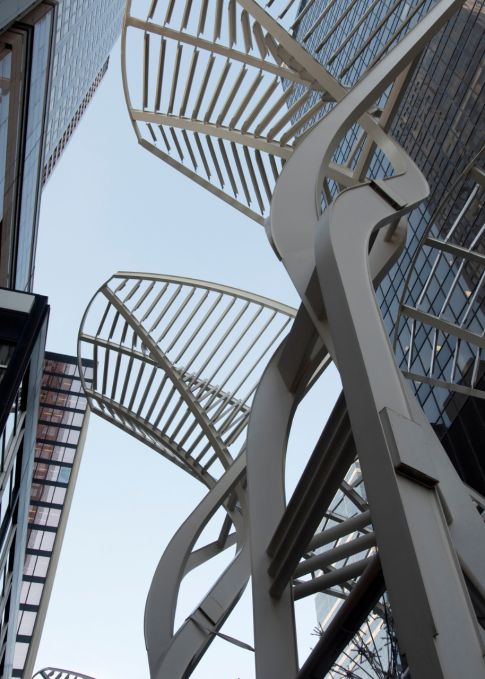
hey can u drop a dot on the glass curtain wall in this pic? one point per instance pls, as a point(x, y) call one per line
point(61, 432)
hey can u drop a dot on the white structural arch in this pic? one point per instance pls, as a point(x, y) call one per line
point(425, 525)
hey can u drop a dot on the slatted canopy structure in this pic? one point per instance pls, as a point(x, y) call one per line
point(223, 93)
point(177, 362)
point(176, 365)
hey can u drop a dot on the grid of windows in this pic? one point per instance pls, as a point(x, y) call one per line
point(86, 32)
point(441, 124)
point(62, 413)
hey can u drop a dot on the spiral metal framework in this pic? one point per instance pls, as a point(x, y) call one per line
point(177, 362)
point(56, 673)
point(415, 530)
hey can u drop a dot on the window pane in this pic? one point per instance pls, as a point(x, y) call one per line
point(27, 622)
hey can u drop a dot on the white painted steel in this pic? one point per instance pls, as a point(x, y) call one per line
point(426, 525)
point(249, 97)
point(176, 363)
point(419, 554)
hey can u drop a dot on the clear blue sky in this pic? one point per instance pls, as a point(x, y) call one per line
point(110, 206)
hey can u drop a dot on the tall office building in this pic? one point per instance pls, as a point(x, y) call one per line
point(86, 33)
point(26, 52)
point(23, 327)
point(61, 433)
point(52, 60)
point(441, 124)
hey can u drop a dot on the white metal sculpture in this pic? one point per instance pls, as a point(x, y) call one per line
point(425, 525)
point(177, 362)
point(56, 673)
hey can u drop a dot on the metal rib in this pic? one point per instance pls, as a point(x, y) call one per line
point(161, 65)
point(262, 172)
point(190, 80)
point(280, 102)
point(189, 148)
point(218, 90)
point(301, 122)
point(214, 159)
point(246, 31)
point(253, 178)
point(202, 154)
point(240, 172)
point(290, 113)
point(146, 57)
point(376, 30)
point(336, 25)
point(231, 17)
point(218, 20)
point(259, 106)
point(227, 166)
point(176, 70)
point(353, 32)
point(259, 37)
point(177, 145)
point(231, 96)
point(202, 17)
point(203, 86)
point(164, 137)
point(168, 15)
point(246, 99)
point(319, 20)
point(169, 325)
point(166, 308)
point(186, 14)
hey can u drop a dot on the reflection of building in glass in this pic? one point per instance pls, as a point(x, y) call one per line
point(86, 32)
point(61, 432)
point(25, 58)
point(23, 326)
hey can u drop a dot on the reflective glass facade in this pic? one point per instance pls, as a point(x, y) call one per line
point(23, 327)
point(25, 60)
point(61, 432)
point(51, 63)
point(86, 32)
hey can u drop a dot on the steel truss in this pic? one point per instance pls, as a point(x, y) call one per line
point(414, 530)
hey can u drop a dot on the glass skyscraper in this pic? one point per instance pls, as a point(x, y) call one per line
point(26, 51)
point(61, 432)
point(86, 33)
point(51, 63)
